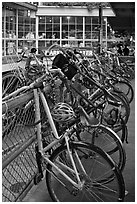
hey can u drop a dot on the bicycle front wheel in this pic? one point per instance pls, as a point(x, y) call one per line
point(126, 88)
point(97, 185)
point(108, 141)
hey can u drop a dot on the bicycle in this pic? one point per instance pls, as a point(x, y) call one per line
point(86, 174)
point(119, 82)
point(119, 66)
point(112, 143)
point(70, 87)
point(89, 101)
point(15, 78)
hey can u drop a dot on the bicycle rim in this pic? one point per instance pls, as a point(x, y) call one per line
point(127, 88)
point(108, 141)
point(97, 187)
point(10, 83)
point(124, 109)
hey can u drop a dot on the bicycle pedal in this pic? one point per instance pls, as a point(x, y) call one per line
point(38, 177)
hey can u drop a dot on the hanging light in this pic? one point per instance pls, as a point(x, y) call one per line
point(28, 12)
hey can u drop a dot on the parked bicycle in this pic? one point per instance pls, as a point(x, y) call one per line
point(101, 96)
point(114, 146)
point(86, 174)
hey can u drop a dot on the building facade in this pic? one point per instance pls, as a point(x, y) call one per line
point(27, 25)
point(18, 19)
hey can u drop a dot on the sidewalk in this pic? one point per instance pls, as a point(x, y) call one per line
point(38, 193)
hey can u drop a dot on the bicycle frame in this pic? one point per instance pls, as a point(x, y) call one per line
point(38, 93)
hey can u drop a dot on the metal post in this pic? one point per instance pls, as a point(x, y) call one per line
point(37, 33)
point(5, 31)
point(60, 30)
point(83, 32)
point(17, 28)
point(100, 28)
point(106, 31)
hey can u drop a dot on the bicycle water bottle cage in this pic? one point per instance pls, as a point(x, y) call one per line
point(69, 69)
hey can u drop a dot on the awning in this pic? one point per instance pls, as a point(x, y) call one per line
point(21, 5)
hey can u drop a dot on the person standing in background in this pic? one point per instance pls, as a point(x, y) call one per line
point(126, 51)
point(119, 51)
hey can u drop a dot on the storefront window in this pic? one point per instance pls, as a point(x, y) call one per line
point(88, 27)
point(17, 36)
point(79, 27)
point(75, 31)
point(70, 32)
point(49, 27)
point(42, 27)
point(26, 25)
point(26, 30)
point(10, 24)
point(95, 27)
point(56, 27)
point(72, 29)
point(8, 31)
point(65, 27)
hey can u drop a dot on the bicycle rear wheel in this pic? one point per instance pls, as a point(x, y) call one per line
point(10, 83)
point(97, 185)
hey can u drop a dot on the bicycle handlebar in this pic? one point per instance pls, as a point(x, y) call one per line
point(36, 84)
point(55, 72)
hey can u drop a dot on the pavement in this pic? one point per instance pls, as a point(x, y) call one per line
point(39, 193)
point(129, 171)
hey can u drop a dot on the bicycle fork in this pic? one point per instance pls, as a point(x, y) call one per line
point(60, 165)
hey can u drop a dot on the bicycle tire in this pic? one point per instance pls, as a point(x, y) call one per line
point(129, 73)
point(122, 131)
point(123, 95)
point(106, 139)
point(10, 83)
point(125, 112)
point(93, 189)
point(127, 88)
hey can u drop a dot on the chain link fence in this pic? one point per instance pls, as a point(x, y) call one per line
point(19, 165)
point(18, 156)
